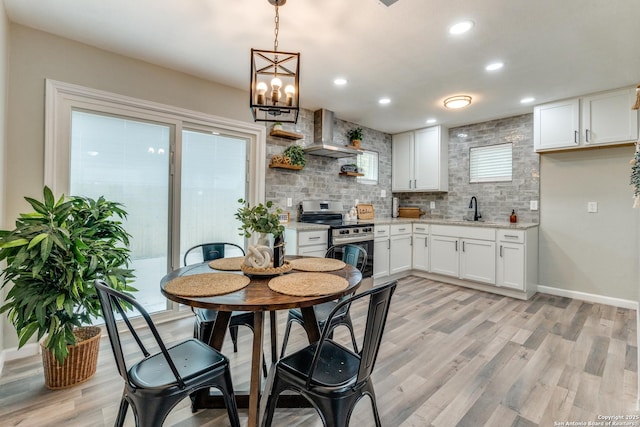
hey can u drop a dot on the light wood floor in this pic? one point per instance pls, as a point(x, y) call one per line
point(450, 357)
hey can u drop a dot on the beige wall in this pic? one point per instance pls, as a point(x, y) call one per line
point(4, 52)
point(596, 253)
point(36, 56)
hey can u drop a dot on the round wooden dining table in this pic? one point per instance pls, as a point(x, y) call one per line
point(258, 298)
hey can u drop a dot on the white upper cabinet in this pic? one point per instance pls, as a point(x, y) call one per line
point(420, 160)
point(598, 119)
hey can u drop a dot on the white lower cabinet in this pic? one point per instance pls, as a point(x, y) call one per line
point(307, 242)
point(400, 248)
point(478, 256)
point(517, 259)
point(478, 260)
point(420, 245)
point(510, 265)
point(444, 255)
point(381, 250)
point(464, 252)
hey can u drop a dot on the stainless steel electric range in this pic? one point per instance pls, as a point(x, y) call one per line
point(341, 233)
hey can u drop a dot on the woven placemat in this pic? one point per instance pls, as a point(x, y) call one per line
point(206, 285)
point(308, 284)
point(317, 264)
point(227, 264)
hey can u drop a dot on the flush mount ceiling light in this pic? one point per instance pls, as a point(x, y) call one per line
point(494, 66)
point(458, 101)
point(461, 27)
point(340, 81)
point(271, 73)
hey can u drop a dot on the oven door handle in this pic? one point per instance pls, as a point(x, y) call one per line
point(356, 239)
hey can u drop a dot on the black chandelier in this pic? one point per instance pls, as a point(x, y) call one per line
point(274, 92)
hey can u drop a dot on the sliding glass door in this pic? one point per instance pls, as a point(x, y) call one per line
point(127, 161)
point(214, 175)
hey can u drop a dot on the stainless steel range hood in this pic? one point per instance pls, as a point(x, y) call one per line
point(323, 144)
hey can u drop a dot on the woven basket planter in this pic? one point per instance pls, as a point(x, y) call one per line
point(79, 366)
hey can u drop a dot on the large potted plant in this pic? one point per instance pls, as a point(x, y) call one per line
point(53, 256)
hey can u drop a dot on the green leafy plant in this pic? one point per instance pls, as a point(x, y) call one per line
point(296, 154)
point(259, 219)
point(355, 134)
point(53, 257)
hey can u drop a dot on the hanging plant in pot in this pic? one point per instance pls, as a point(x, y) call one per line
point(267, 250)
point(53, 257)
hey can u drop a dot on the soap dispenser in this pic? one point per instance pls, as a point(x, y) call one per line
point(513, 218)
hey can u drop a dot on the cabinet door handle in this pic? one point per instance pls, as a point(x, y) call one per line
point(314, 238)
point(426, 245)
point(389, 244)
point(575, 136)
point(415, 183)
point(456, 246)
point(463, 246)
point(586, 135)
point(409, 184)
point(500, 251)
point(511, 236)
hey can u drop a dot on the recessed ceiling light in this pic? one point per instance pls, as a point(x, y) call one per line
point(458, 101)
point(527, 100)
point(461, 27)
point(431, 121)
point(384, 101)
point(340, 81)
point(494, 66)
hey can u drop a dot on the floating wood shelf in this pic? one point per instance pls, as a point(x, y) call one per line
point(285, 166)
point(351, 174)
point(286, 135)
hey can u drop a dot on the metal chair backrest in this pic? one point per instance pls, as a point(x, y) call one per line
point(379, 302)
point(354, 255)
point(211, 251)
point(112, 300)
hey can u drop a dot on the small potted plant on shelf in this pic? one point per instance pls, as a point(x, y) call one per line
point(53, 257)
point(264, 220)
point(295, 153)
point(277, 126)
point(355, 136)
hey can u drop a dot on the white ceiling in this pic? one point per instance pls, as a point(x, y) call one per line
point(552, 49)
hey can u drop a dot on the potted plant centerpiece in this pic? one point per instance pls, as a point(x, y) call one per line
point(355, 136)
point(53, 256)
point(267, 249)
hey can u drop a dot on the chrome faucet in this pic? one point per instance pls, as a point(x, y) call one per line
point(476, 215)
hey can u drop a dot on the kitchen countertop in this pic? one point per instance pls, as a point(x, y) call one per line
point(302, 226)
point(459, 222)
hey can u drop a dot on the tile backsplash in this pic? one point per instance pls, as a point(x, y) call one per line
point(320, 177)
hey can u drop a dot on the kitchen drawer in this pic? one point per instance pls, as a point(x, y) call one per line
point(399, 229)
point(513, 236)
point(381, 232)
point(313, 238)
point(421, 228)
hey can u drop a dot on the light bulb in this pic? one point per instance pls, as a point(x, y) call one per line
point(276, 83)
point(290, 91)
point(261, 88)
point(275, 96)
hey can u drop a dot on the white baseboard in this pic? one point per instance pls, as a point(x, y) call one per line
point(27, 350)
point(600, 299)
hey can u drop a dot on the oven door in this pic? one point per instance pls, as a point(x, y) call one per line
point(367, 245)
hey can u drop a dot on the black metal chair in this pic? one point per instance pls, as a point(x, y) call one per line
point(351, 254)
point(205, 318)
point(331, 376)
point(155, 384)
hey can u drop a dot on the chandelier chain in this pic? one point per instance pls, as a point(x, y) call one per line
point(277, 29)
